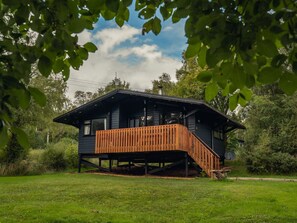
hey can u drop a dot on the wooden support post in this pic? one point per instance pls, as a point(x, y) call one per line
point(100, 164)
point(145, 112)
point(129, 166)
point(159, 164)
point(110, 165)
point(145, 167)
point(79, 162)
point(186, 165)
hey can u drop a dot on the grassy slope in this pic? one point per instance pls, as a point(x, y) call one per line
point(95, 198)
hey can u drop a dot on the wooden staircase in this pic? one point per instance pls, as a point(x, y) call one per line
point(203, 155)
point(174, 137)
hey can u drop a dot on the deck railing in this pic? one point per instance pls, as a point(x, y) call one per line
point(157, 138)
point(141, 139)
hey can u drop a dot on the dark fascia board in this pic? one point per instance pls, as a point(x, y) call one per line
point(149, 96)
point(90, 103)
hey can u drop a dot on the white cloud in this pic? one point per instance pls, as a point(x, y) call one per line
point(112, 37)
point(167, 28)
point(123, 51)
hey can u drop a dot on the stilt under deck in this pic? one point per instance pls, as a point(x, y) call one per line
point(161, 138)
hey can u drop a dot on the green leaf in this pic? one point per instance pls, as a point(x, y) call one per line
point(76, 25)
point(241, 100)
point(95, 5)
point(204, 76)
point(202, 56)
point(211, 91)
point(246, 94)
point(83, 53)
point(288, 83)
point(227, 68)
point(233, 101)
point(22, 137)
point(90, 47)
point(127, 3)
point(267, 48)
point(278, 60)
point(113, 5)
point(261, 61)
point(66, 73)
point(269, 75)
point(119, 21)
point(156, 26)
point(44, 66)
point(108, 15)
point(192, 50)
point(19, 98)
point(213, 57)
point(38, 96)
point(165, 13)
point(4, 137)
point(238, 76)
point(58, 66)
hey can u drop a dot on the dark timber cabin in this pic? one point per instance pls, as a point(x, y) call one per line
point(138, 127)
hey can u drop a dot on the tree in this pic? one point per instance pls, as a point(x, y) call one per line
point(164, 82)
point(270, 138)
point(114, 84)
point(240, 42)
point(81, 97)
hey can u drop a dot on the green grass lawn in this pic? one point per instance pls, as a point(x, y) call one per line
point(97, 198)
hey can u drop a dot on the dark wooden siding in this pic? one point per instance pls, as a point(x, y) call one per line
point(219, 147)
point(156, 117)
point(115, 117)
point(86, 144)
point(204, 133)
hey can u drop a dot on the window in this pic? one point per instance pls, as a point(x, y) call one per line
point(172, 118)
point(98, 124)
point(91, 126)
point(149, 120)
point(218, 134)
point(136, 122)
point(87, 127)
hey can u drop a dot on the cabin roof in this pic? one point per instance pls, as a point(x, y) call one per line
point(115, 96)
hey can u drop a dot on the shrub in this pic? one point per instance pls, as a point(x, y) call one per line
point(14, 169)
point(60, 155)
point(267, 162)
point(71, 155)
point(53, 158)
point(36, 165)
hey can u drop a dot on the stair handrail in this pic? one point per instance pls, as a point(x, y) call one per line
point(207, 146)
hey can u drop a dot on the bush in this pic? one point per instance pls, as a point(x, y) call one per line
point(267, 162)
point(61, 155)
point(71, 155)
point(35, 162)
point(53, 158)
point(14, 169)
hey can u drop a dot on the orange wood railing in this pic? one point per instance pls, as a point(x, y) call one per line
point(157, 138)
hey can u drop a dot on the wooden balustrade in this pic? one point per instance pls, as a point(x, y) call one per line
point(157, 138)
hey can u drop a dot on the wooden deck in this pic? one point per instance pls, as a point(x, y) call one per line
point(157, 138)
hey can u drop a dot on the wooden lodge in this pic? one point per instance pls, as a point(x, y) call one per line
point(136, 127)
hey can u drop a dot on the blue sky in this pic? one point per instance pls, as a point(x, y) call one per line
point(135, 58)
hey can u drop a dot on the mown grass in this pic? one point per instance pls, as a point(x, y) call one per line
point(97, 198)
point(238, 169)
